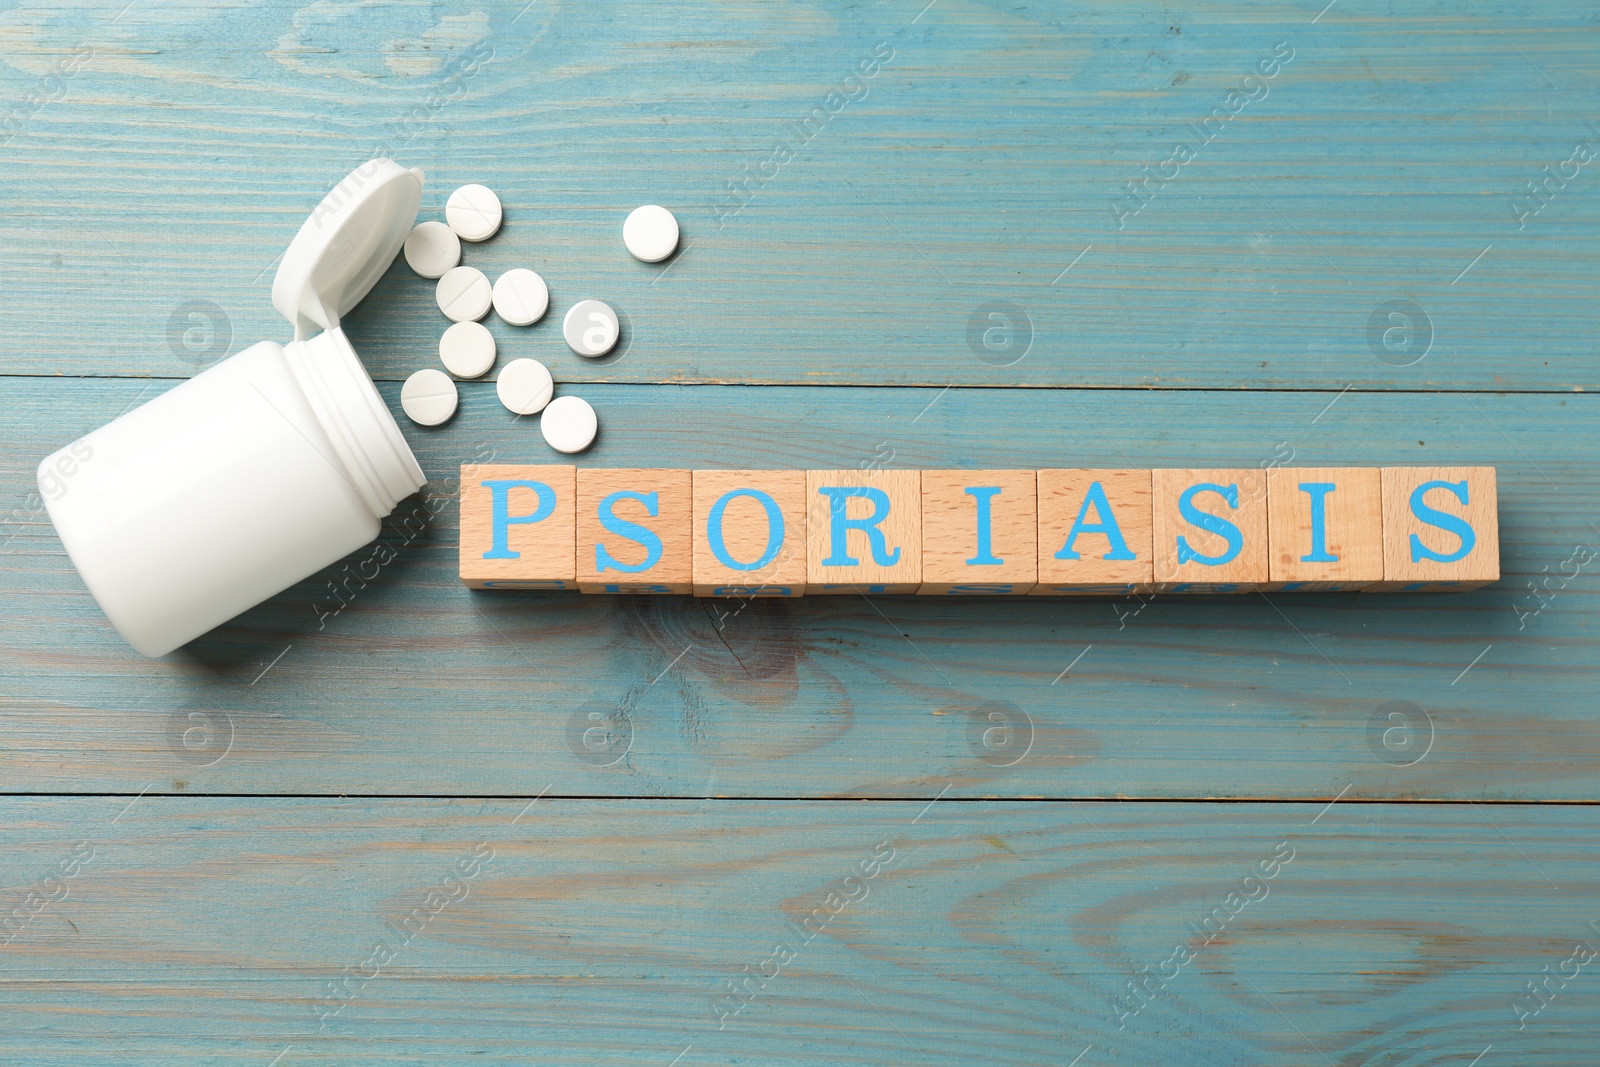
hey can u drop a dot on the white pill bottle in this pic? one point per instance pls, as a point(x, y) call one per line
point(261, 470)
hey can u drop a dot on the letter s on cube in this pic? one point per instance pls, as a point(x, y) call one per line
point(1441, 530)
point(633, 531)
point(517, 526)
point(1210, 529)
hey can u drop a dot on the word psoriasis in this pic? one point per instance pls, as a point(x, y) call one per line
point(721, 533)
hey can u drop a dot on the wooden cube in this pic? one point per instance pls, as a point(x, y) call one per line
point(517, 525)
point(979, 533)
point(633, 531)
point(749, 533)
point(1441, 529)
point(864, 531)
point(1325, 527)
point(1094, 533)
point(1210, 530)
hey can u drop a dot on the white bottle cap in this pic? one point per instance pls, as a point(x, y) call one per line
point(346, 245)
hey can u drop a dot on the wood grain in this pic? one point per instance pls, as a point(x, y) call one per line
point(205, 931)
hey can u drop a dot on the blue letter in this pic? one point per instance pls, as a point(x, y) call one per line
point(719, 547)
point(1210, 524)
point(985, 557)
point(500, 522)
point(1318, 492)
point(1449, 523)
point(1096, 498)
point(839, 530)
point(631, 530)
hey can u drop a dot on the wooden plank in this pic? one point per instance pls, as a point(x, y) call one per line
point(1319, 237)
point(413, 683)
point(205, 931)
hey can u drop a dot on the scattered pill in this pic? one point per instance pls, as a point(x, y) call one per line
point(590, 328)
point(432, 248)
point(429, 397)
point(467, 349)
point(651, 233)
point(524, 386)
point(473, 211)
point(521, 297)
point(568, 424)
point(464, 294)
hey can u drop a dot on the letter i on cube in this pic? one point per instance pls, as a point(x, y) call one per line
point(1325, 528)
point(979, 533)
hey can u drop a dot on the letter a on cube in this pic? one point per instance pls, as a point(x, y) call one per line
point(864, 530)
point(633, 531)
point(517, 526)
point(1094, 533)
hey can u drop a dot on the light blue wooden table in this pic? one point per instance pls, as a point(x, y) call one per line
point(417, 825)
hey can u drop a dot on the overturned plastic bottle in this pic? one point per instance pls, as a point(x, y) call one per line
point(261, 470)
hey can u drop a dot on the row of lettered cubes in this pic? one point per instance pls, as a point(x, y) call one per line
point(1055, 532)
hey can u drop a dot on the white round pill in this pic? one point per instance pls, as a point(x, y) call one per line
point(568, 424)
point(651, 233)
point(464, 294)
point(590, 328)
point(467, 349)
point(432, 248)
point(473, 211)
point(521, 297)
point(524, 386)
point(429, 397)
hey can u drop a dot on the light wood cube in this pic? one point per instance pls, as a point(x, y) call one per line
point(1094, 533)
point(864, 531)
point(517, 525)
point(633, 531)
point(1325, 528)
point(979, 533)
point(1210, 530)
point(749, 533)
point(1441, 529)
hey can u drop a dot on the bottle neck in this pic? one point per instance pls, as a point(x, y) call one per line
point(375, 456)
